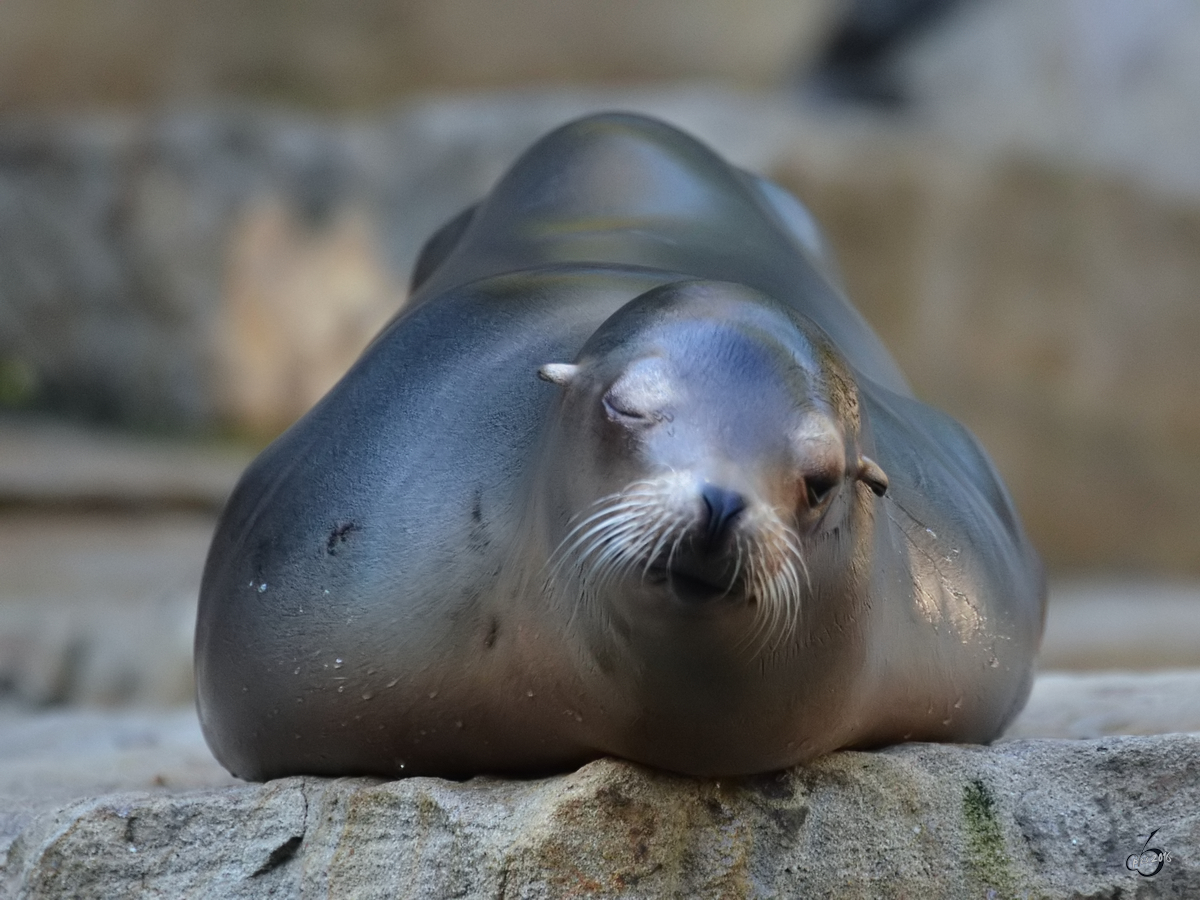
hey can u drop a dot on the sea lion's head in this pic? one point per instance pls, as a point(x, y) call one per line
point(707, 461)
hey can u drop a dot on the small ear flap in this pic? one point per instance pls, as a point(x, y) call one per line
point(558, 373)
point(875, 477)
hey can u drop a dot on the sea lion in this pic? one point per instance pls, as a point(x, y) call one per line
point(627, 476)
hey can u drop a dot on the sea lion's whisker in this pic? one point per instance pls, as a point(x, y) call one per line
point(614, 552)
point(675, 548)
point(641, 496)
point(586, 539)
point(737, 562)
point(798, 555)
point(610, 542)
point(648, 542)
point(598, 522)
point(774, 563)
point(610, 536)
point(619, 529)
point(673, 522)
point(614, 502)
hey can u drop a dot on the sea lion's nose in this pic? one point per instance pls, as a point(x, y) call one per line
point(723, 507)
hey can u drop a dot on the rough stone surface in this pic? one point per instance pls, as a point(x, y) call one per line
point(96, 803)
point(53, 758)
point(102, 542)
point(1022, 819)
point(611, 829)
point(115, 254)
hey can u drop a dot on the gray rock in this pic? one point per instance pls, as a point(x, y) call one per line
point(113, 237)
point(1022, 819)
point(102, 542)
point(53, 758)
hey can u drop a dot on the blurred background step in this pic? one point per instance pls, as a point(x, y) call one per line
point(1082, 705)
point(98, 607)
point(48, 463)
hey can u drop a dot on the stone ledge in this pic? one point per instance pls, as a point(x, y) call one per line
point(1037, 818)
point(1098, 704)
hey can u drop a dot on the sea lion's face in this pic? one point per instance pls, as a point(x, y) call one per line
point(709, 467)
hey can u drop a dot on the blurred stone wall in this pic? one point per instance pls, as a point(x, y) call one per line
point(191, 271)
point(360, 53)
point(1025, 234)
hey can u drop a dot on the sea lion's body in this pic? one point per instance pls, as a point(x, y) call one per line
point(386, 592)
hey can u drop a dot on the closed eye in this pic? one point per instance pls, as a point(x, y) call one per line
point(617, 411)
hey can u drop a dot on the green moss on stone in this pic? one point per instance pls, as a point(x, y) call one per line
point(986, 853)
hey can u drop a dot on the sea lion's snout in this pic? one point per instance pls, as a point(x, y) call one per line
point(693, 589)
point(705, 564)
point(722, 507)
